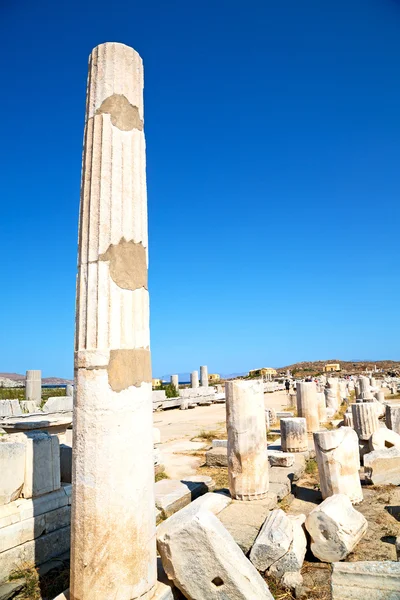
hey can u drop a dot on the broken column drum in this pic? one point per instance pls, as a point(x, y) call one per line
point(365, 388)
point(332, 394)
point(393, 417)
point(365, 418)
point(338, 462)
point(113, 552)
point(33, 386)
point(307, 404)
point(194, 379)
point(247, 440)
point(175, 381)
point(294, 434)
point(204, 376)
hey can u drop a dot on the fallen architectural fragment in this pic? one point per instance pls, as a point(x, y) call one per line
point(383, 466)
point(293, 560)
point(308, 404)
point(273, 541)
point(384, 438)
point(365, 419)
point(338, 462)
point(113, 551)
point(247, 440)
point(372, 580)
point(204, 561)
point(335, 528)
point(393, 417)
point(12, 469)
point(294, 434)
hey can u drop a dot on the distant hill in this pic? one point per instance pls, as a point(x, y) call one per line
point(354, 366)
point(17, 378)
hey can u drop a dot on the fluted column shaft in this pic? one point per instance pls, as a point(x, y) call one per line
point(204, 376)
point(247, 440)
point(307, 404)
point(113, 513)
point(365, 418)
point(175, 381)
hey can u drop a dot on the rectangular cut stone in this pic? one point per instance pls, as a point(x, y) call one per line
point(217, 457)
point(280, 459)
point(383, 466)
point(36, 551)
point(58, 404)
point(23, 509)
point(213, 566)
point(365, 579)
point(171, 495)
point(12, 469)
point(42, 463)
point(220, 443)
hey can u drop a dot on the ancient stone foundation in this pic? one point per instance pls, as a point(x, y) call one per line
point(113, 517)
point(247, 440)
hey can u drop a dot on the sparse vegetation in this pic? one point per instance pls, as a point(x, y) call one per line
point(218, 474)
point(209, 436)
point(31, 589)
point(311, 467)
point(160, 476)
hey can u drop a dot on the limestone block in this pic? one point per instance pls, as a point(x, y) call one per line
point(158, 395)
point(322, 415)
point(211, 501)
point(42, 463)
point(273, 541)
point(280, 459)
point(12, 469)
point(393, 417)
point(270, 417)
point(217, 457)
point(383, 466)
point(247, 440)
point(307, 404)
point(335, 528)
point(203, 560)
point(283, 414)
point(365, 419)
point(384, 438)
point(10, 408)
point(244, 520)
point(28, 406)
point(65, 463)
point(58, 404)
point(294, 434)
point(293, 560)
point(220, 443)
point(365, 388)
point(22, 509)
point(338, 463)
point(363, 580)
point(171, 495)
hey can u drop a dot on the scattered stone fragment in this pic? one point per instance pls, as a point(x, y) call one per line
point(12, 469)
point(335, 528)
point(373, 580)
point(273, 541)
point(384, 438)
point(292, 561)
point(280, 459)
point(393, 417)
point(171, 495)
point(220, 443)
point(294, 434)
point(383, 466)
point(292, 580)
point(217, 457)
point(204, 561)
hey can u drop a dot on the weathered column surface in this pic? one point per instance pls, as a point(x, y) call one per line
point(194, 379)
point(365, 388)
point(33, 386)
point(204, 376)
point(322, 416)
point(393, 417)
point(307, 404)
point(175, 381)
point(365, 418)
point(338, 462)
point(332, 394)
point(247, 440)
point(113, 513)
point(294, 434)
point(69, 390)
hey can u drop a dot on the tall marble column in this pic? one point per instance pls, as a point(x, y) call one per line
point(175, 381)
point(194, 379)
point(113, 513)
point(204, 376)
point(33, 386)
point(247, 440)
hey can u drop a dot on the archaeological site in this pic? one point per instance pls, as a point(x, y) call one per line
point(276, 484)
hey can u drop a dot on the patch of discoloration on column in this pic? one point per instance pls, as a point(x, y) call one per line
point(128, 264)
point(123, 114)
point(129, 367)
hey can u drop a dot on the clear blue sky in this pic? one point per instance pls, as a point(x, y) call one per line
point(273, 148)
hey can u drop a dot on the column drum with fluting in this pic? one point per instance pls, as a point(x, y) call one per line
point(365, 418)
point(294, 434)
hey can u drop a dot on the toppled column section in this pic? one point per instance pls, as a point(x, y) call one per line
point(365, 418)
point(33, 386)
point(335, 528)
point(204, 376)
point(365, 580)
point(204, 561)
point(294, 434)
point(113, 517)
point(338, 462)
point(393, 417)
point(247, 440)
point(307, 404)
